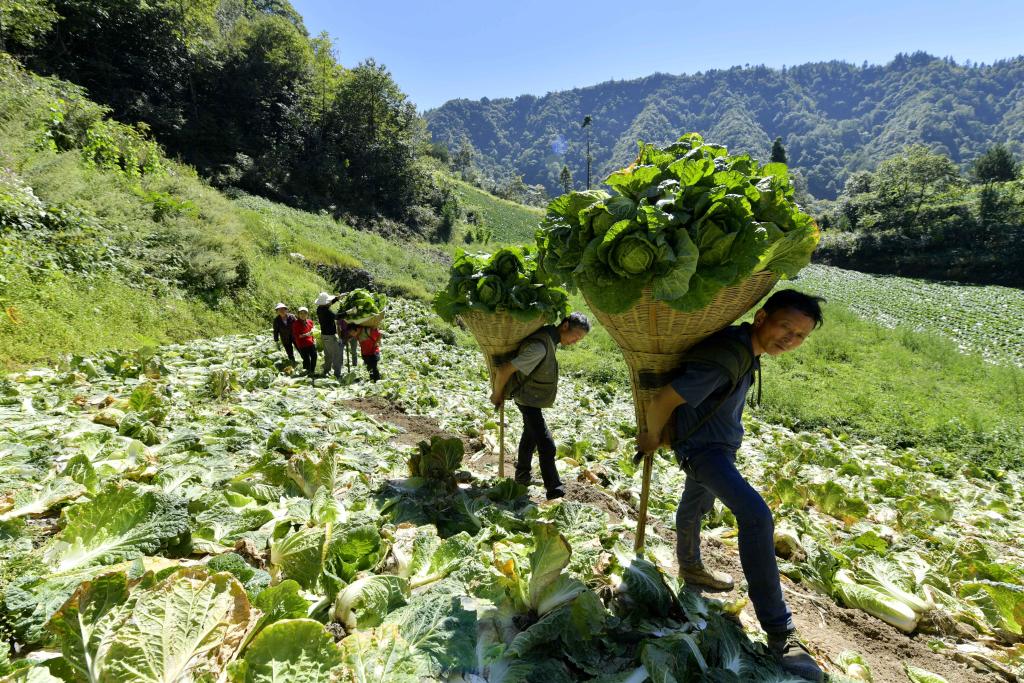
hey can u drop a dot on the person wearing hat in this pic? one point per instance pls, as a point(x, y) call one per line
point(283, 330)
point(302, 333)
point(329, 333)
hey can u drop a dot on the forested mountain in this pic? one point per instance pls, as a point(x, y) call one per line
point(834, 118)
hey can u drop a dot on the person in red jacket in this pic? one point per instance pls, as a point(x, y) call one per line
point(369, 349)
point(302, 335)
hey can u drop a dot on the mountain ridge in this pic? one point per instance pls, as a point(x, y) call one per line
point(835, 118)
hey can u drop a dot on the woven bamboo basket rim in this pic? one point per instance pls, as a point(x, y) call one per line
point(500, 330)
point(374, 320)
point(652, 328)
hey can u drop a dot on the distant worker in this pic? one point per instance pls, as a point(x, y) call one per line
point(302, 333)
point(534, 388)
point(369, 346)
point(329, 333)
point(705, 405)
point(283, 330)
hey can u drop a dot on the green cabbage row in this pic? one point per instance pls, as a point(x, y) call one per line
point(506, 281)
point(688, 219)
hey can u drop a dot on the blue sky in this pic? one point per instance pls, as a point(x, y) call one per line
point(460, 48)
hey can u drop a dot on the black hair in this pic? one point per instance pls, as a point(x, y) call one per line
point(576, 321)
point(807, 304)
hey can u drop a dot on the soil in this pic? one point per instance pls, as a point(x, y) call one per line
point(825, 627)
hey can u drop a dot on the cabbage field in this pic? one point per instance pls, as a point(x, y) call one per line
point(194, 513)
point(986, 320)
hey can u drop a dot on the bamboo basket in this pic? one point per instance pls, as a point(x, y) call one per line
point(653, 339)
point(499, 336)
point(375, 320)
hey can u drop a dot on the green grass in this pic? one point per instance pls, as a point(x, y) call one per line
point(903, 387)
point(207, 266)
point(508, 222)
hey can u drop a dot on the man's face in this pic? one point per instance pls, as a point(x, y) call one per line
point(782, 331)
point(282, 312)
point(567, 336)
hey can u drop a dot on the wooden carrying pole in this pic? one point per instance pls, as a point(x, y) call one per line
point(653, 339)
point(501, 440)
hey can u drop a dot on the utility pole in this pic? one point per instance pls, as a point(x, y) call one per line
point(586, 126)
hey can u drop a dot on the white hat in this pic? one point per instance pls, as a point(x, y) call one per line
point(323, 299)
point(279, 306)
point(303, 308)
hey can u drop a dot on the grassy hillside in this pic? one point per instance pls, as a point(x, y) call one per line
point(507, 222)
point(105, 243)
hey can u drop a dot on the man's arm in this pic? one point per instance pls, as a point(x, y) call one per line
point(659, 410)
point(502, 374)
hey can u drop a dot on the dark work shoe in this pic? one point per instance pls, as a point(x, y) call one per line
point(699, 575)
point(556, 493)
point(794, 657)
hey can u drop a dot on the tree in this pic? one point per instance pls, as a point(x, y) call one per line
point(371, 136)
point(586, 126)
point(25, 23)
point(778, 152)
point(905, 182)
point(464, 161)
point(565, 178)
point(996, 165)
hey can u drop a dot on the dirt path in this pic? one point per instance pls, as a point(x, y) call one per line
point(827, 628)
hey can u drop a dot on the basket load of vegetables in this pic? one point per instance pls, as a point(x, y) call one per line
point(689, 240)
point(501, 299)
point(505, 282)
point(363, 307)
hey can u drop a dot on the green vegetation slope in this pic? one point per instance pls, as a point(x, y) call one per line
point(105, 243)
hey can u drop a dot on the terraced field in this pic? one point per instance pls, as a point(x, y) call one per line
point(984, 320)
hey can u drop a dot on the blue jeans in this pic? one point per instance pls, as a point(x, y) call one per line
point(712, 474)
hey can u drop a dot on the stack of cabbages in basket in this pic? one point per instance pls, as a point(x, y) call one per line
point(691, 238)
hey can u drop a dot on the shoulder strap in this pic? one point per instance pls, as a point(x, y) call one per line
point(726, 352)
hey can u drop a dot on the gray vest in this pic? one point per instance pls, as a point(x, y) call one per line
point(538, 389)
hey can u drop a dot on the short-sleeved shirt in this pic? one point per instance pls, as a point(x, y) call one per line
point(530, 356)
point(700, 385)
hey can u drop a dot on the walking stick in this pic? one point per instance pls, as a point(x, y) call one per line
point(645, 492)
point(501, 439)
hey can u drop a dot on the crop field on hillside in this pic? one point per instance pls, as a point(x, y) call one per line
point(508, 222)
point(357, 530)
point(985, 320)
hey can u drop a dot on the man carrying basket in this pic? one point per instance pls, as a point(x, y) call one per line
point(705, 405)
point(535, 369)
